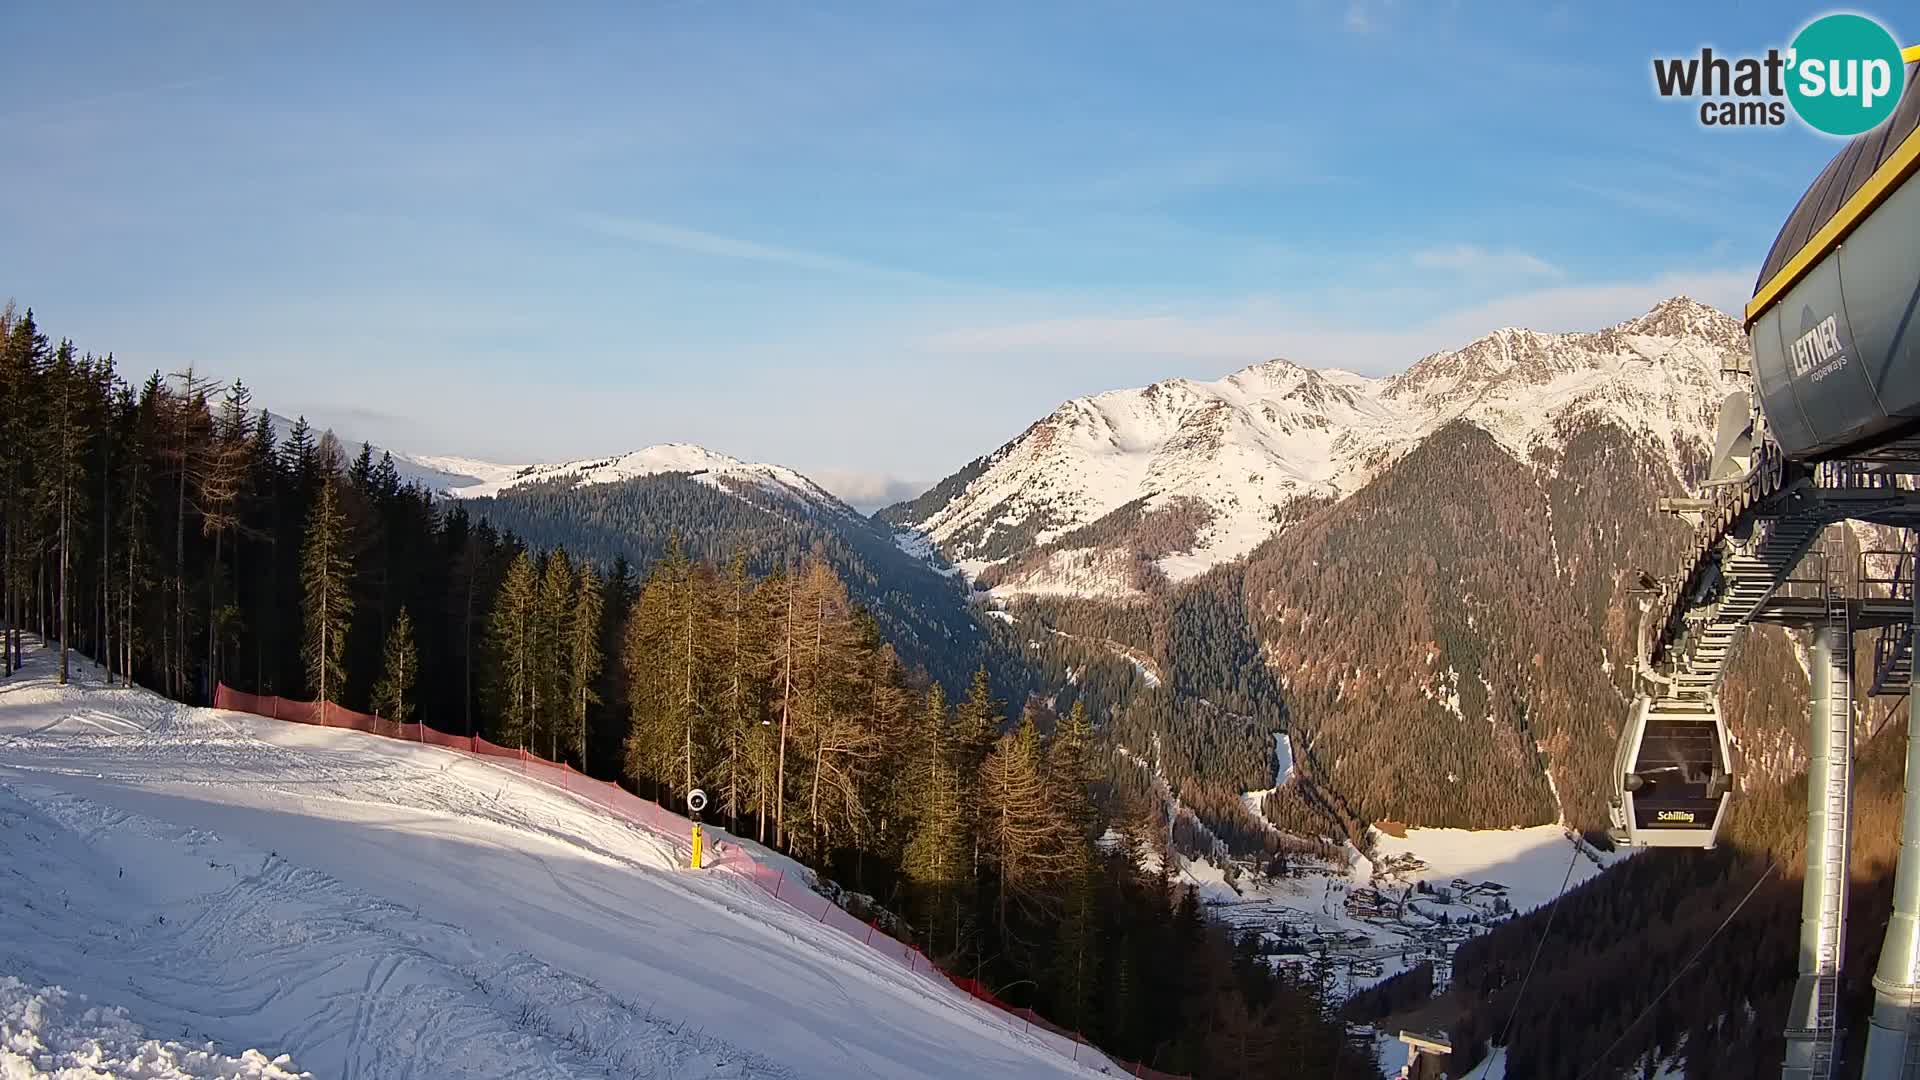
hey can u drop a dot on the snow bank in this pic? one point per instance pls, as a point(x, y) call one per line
point(48, 1032)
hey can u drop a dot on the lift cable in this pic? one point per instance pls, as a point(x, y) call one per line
point(1538, 946)
point(1675, 981)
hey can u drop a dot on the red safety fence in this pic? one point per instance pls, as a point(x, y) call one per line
point(776, 882)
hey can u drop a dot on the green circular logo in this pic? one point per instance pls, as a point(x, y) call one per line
point(1845, 75)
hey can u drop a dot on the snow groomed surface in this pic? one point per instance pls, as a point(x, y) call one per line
point(374, 908)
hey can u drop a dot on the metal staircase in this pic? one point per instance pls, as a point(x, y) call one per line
point(1893, 649)
point(1751, 574)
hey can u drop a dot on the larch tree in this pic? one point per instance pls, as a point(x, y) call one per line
point(393, 694)
point(1019, 832)
point(739, 718)
point(670, 650)
point(325, 577)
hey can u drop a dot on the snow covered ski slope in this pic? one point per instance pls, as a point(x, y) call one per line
point(372, 908)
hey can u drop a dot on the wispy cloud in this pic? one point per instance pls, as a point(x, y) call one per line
point(1471, 259)
point(700, 242)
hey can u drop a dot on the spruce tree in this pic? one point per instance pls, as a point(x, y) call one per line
point(510, 635)
point(325, 577)
point(583, 657)
point(63, 435)
point(553, 639)
point(975, 723)
point(393, 694)
point(937, 853)
point(1071, 773)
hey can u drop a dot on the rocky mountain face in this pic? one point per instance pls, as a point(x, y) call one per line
point(1111, 493)
point(1436, 569)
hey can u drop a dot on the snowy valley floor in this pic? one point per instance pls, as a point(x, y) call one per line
point(226, 890)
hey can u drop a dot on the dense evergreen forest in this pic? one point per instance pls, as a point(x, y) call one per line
point(161, 532)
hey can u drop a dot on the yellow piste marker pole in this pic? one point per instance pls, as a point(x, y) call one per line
point(696, 845)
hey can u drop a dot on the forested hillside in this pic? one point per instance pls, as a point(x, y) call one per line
point(1438, 644)
point(923, 613)
point(163, 533)
point(1443, 610)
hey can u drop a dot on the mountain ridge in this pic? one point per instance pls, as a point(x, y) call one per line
point(1243, 448)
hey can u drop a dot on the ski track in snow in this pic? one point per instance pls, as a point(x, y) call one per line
point(386, 911)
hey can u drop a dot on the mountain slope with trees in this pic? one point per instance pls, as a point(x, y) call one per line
point(165, 532)
point(1445, 622)
point(925, 613)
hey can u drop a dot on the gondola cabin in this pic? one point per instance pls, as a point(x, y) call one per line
point(1671, 776)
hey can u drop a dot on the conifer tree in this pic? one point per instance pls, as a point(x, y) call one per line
point(22, 361)
point(220, 473)
point(393, 694)
point(511, 634)
point(325, 577)
point(583, 657)
point(1019, 831)
point(1071, 773)
point(975, 724)
point(937, 853)
point(64, 433)
point(740, 689)
point(782, 657)
point(553, 640)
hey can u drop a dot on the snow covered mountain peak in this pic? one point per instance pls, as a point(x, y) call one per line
point(710, 467)
point(1228, 458)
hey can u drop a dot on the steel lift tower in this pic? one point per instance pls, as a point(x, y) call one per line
point(1827, 432)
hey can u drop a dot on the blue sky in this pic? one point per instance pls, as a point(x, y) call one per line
point(871, 241)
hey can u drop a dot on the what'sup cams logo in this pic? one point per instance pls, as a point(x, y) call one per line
point(1842, 75)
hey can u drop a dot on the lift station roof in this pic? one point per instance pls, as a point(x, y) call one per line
point(1831, 201)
